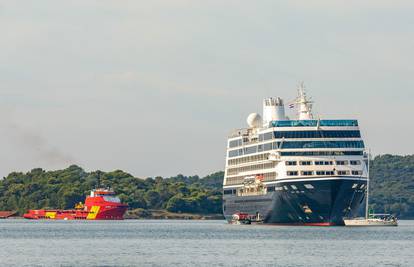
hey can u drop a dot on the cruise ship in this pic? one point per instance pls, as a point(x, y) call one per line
point(304, 171)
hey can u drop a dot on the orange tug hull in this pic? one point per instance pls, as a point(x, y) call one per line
point(101, 205)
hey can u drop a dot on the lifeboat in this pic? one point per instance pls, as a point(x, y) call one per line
point(101, 204)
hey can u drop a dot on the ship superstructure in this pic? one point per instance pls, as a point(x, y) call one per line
point(305, 171)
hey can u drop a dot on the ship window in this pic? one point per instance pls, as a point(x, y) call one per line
point(292, 173)
point(341, 162)
point(267, 146)
point(355, 162)
point(317, 134)
point(112, 199)
point(279, 188)
point(260, 148)
point(329, 173)
point(322, 144)
point(314, 123)
point(343, 173)
point(293, 187)
point(354, 186)
point(362, 186)
point(291, 163)
point(268, 136)
point(234, 143)
point(305, 163)
point(323, 163)
point(356, 172)
point(307, 173)
point(323, 153)
point(271, 189)
point(309, 186)
point(250, 150)
point(228, 192)
point(233, 153)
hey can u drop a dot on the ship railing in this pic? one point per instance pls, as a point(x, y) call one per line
point(239, 132)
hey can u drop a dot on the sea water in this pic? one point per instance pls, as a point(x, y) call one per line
point(200, 243)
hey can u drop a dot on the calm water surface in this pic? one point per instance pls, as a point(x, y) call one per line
point(200, 243)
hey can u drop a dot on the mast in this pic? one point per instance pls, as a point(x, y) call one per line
point(304, 104)
point(367, 191)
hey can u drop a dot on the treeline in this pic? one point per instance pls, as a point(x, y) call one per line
point(62, 189)
point(392, 185)
point(392, 189)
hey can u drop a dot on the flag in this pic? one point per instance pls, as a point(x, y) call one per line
point(291, 105)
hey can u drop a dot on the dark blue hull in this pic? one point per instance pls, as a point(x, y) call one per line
point(305, 202)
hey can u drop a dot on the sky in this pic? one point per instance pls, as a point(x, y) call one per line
point(154, 87)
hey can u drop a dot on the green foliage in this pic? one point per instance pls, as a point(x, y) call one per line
point(392, 185)
point(62, 189)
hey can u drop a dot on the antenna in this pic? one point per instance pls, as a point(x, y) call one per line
point(304, 103)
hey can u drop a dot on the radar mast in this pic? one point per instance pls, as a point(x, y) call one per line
point(304, 104)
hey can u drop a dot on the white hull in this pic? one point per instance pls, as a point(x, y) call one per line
point(370, 222)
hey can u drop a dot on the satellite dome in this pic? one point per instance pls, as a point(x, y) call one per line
point(254, 120)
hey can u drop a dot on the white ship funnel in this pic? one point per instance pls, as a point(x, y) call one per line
point(273, 110)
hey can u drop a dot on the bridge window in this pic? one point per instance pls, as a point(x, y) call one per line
point(316, 134)
point(314, 123)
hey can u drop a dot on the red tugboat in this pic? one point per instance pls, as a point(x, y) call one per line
point(101, 204)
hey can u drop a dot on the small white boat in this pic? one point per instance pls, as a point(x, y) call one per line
point(373, 220)
point(241, 218)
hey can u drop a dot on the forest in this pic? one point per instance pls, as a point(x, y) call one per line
point(391, 191)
